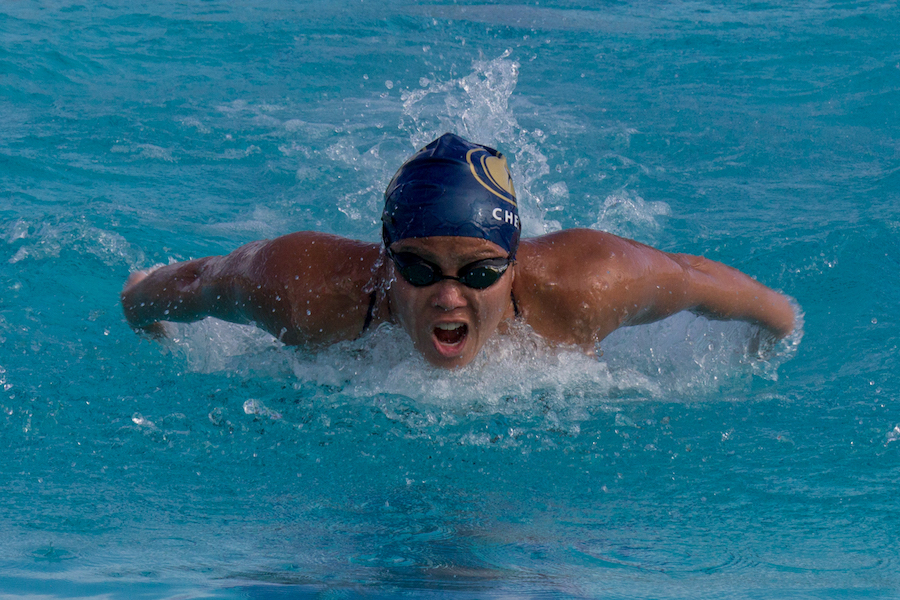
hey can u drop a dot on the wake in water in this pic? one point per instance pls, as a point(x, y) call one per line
point(683, 355)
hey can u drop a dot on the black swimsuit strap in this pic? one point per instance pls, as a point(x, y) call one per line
point(369, 313)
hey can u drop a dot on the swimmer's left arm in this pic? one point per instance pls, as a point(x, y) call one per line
point(716, 291)
point(583, 284)
point(651, 284)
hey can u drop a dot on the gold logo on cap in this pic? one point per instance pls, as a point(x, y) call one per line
point(492, 173)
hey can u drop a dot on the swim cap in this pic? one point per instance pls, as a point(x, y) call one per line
point(453, 187)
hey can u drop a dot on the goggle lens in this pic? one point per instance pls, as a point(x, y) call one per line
point(478, 275)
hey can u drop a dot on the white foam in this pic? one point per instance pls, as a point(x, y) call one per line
point(261, 222)
point(682, 355)
point(626, 214)
point(46, 240)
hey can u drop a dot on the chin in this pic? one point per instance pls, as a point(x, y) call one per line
point(447, 359)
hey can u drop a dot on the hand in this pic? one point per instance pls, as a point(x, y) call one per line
point(157, 330)
point(135, 278)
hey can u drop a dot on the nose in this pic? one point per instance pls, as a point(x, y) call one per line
point(448, 295)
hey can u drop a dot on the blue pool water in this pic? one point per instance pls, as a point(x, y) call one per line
point(679, 464)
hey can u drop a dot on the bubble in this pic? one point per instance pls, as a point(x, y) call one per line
point(255, 407)
point(893, 435)
point(139, 420)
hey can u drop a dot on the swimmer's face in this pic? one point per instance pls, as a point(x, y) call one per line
point(448, 321)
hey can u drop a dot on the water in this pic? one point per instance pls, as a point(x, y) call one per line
point(679, 464)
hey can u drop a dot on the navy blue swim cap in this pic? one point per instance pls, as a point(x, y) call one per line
point(453, 187)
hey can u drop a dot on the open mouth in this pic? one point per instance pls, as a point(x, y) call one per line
point(451, 334)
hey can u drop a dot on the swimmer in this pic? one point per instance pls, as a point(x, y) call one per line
point(451, 271)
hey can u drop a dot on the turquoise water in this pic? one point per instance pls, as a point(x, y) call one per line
point(677, 465)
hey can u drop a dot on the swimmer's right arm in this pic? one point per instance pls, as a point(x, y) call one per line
point(180, 292)
point(305, 288)
point(136, 313)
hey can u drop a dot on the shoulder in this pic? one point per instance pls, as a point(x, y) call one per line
point(312, 244)
point(575, 250)
point(312, 287)
point(310, 255)
point(576, 286)
point(560, 278)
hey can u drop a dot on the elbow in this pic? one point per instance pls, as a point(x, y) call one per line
point(130, 297)
point(782, 320)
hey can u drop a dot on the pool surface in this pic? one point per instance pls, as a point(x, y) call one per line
point(682, 463)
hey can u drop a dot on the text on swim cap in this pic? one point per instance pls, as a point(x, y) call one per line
point(505, 216)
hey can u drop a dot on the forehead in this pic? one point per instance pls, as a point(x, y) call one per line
point(450, 248)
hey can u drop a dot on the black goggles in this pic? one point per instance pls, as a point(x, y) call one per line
point(478, 275)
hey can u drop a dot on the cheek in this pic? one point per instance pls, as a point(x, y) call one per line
point(493, 306)
point(404, 305)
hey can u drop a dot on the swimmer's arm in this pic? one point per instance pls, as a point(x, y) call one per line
point(578, 286)
point(305, 288)
point(676, 282)
point(187, 291)
point(721, 292)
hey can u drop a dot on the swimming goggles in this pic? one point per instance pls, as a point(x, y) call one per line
point(478, 275)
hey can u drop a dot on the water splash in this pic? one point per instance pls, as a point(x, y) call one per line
point(515, 373)
point(477, 107)
point(892, 436)
point(628, 215)
point(255, 407)
point(39, 241)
